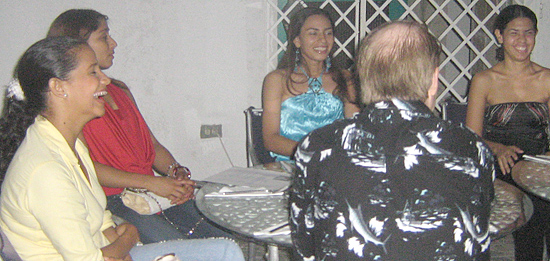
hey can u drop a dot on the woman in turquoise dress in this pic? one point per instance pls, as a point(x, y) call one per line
point(508, 107)
point(305, 92)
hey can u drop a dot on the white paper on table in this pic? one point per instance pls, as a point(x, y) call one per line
point(539, 159)
point(243, 191)
point(255, 178)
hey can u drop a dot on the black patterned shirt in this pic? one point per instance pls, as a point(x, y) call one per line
point(393, 183)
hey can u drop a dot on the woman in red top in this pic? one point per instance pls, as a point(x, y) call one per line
point(124, 150)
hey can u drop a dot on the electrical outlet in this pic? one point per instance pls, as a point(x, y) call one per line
point(211, 131)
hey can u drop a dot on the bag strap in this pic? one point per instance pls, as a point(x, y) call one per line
point(144, 191)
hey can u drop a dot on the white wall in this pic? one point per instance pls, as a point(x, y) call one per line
point(542, 51)
point(187, 62)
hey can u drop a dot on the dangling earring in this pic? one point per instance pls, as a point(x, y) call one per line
point(328, 63)
point(297, 58)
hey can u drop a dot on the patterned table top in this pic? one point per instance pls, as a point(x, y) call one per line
point(533, 177)
point(508, 209)
point(247, 215)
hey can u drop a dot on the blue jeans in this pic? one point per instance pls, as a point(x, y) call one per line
point(155, 228)
point(197, 249)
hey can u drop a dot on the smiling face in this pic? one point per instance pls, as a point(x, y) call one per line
point(86, 85)
point(316, 39)
point(103, 45)
point(517, 39)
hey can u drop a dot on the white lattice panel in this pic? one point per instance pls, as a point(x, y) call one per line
point(462, 26)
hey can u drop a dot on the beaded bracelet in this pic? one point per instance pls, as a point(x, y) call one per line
point(173, 168)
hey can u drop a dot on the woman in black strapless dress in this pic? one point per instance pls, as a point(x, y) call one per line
point(520, 124)
point(508, 107)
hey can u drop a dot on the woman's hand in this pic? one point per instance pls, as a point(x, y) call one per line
point(506, 155)
point(123, 238)
point(189, 187)
point(129, 231)
point(177, 190)
point(183, 174)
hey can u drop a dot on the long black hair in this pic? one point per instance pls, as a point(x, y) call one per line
point(288, 61)
point(53, 57)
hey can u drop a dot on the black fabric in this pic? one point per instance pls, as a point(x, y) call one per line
point(525, 125)
point(393, 183)
point(262, 155)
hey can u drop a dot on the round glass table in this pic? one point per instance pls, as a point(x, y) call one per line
point(245, 215)
point(248, 215)
point(533, 177)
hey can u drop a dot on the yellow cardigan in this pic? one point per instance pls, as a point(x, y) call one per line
point(48, 209)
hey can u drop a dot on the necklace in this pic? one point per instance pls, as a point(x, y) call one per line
point(315, 84)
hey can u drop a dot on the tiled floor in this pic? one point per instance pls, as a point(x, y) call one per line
point(501, 250)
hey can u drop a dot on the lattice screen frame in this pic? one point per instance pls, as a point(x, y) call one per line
point(474, 42)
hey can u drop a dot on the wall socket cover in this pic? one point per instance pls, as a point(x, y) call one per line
point(211, 131)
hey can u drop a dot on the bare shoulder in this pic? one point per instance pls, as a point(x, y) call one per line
point(543, 72)
point(487, 75)
point(275, 79)
point(276, 75)
point(484, 80)
point(543, 79)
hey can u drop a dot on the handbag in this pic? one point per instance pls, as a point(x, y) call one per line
point(143, 201)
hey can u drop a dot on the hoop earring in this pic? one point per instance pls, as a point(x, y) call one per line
point(297, 58)
point(328, 63)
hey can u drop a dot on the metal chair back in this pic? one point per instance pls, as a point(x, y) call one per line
point(256, 153)
point(454, 112)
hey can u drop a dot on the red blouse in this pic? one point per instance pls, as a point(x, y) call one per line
point(121, 138)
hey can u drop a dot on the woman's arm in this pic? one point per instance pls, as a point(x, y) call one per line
point(350, 107)
point(272, 97)
point(69, 217)
point(477, 101)
point(163, 162)
point(122, 238)
point(170, 188)
point(112, 177)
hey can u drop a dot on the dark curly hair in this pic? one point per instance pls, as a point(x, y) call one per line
point(53, 57)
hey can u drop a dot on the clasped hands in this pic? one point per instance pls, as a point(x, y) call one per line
point(179, 189)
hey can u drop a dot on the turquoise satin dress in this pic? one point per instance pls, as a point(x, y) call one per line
point(308, 111)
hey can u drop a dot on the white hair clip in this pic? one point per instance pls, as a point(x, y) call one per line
point(15, 91)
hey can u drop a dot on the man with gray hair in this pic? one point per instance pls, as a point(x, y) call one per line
point(395, 182)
